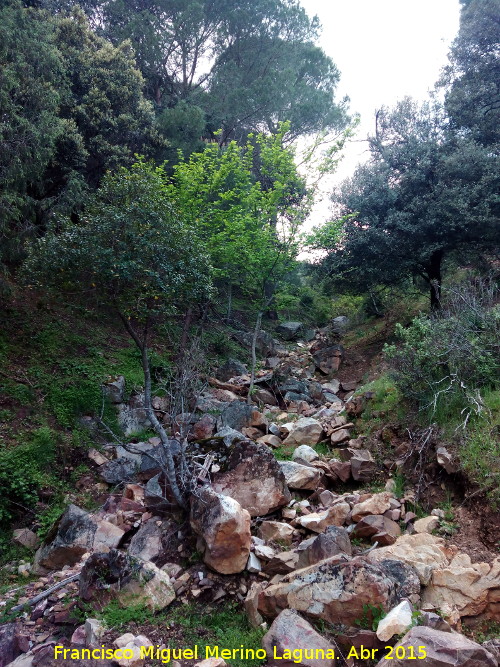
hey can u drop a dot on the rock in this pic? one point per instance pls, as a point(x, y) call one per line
point(298, 476)
point(305, 453)
point(333, 516)
point(118, 470)
point(339, 436)
point(254, 478)
point(423, 552)
point(335, 540)
point(265, 344)
point(133, 653)
point(25, 538)
point(9, 647)
point(230, 369)
point(74, 534)
point(224, 527)
point(340, 469)
point(463, 588)
point(378, 503)
point(210, 662)
point(349, 385)
point(149, 587)
point(445, 459)
point(236, 415)
point(146, 544)
point(331, 387)
point(203, 428)
point(381, 529)
point(397, 621)
point(114, 389)
point(275, 531)
point(363, 466)
point(282, 563)
point(270, 440)
point(493, 646)
point(426, 525)
point(340, 324)
point(335, 590)
point(328, 359)
point(123, 640)
point(132, 417)
point(251, 603)
point(264, 396)
point(442, 649)
point(289, 330)
point(305, 431)
point(435, 621)
point(253, 564)
point(96, 456)
point(229, 436)
point(94, 630)
point(289, 632)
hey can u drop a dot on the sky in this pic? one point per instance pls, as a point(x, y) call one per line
point(384, 49)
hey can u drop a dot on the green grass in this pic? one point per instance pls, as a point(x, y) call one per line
point(480, 448)
point(225, 626)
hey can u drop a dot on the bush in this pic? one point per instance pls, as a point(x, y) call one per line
point(24, 470)
point(445, 361)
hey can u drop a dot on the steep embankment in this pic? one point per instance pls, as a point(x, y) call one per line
point(315, 498)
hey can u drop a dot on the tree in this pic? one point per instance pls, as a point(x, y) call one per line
point(472, 77)
point(131, 253)
point(246, 64)
point(30, 127)
point(423, 197)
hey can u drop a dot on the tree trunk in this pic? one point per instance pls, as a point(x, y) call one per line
point(167, 458)
point(229, 302)
point(434, 278)
point(185, 332)
point(254, 355)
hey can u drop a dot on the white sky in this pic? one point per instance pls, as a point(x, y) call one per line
point(384, 49)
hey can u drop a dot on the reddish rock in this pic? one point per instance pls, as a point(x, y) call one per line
point(254, 478)
point(204, 428)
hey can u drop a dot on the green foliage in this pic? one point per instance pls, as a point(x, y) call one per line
point(115, 616)
point(24, 470)
point(372, 615)
point(442, 362)
point(400, 209)
point(225, 626)
point(132, 252)
point(303, 302)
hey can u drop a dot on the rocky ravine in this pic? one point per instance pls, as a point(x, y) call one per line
point(277, 536)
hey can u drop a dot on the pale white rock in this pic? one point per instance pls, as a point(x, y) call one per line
point(426, 525)
point(377, 504)
point(298, 476)
point(274, 531)
point(123, 640)
point(397, 621)
point(306, 453)
point(264, 552)
point(305, 431)
point(254, 564)
point(319, 521)
point(94, 630)
point(422, 551)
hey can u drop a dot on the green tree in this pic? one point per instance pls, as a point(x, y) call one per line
point(472, 77)
point(424, 197)
point(134, 254)
point(31, 79)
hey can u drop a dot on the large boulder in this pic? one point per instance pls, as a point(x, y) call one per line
point(299, 476)
point(236, 415)
point(231, 368)
point(146, 544)
point(294, 641)
point(378, 503)
point(76, 533)
point(224, 527)
point(333, 516)
point(334, 541)
point(423, 552)
point(339, 590)
point(305, 431)
point(289, 330)
point(254, 478)
point(465, 589)
point(265, 342)
point(340, 324)
point(115, 575)
point(438, 649)
point(328, 359)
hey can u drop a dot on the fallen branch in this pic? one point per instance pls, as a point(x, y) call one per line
point(42, 596)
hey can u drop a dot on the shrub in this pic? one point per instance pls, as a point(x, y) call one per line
point(445, 360)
